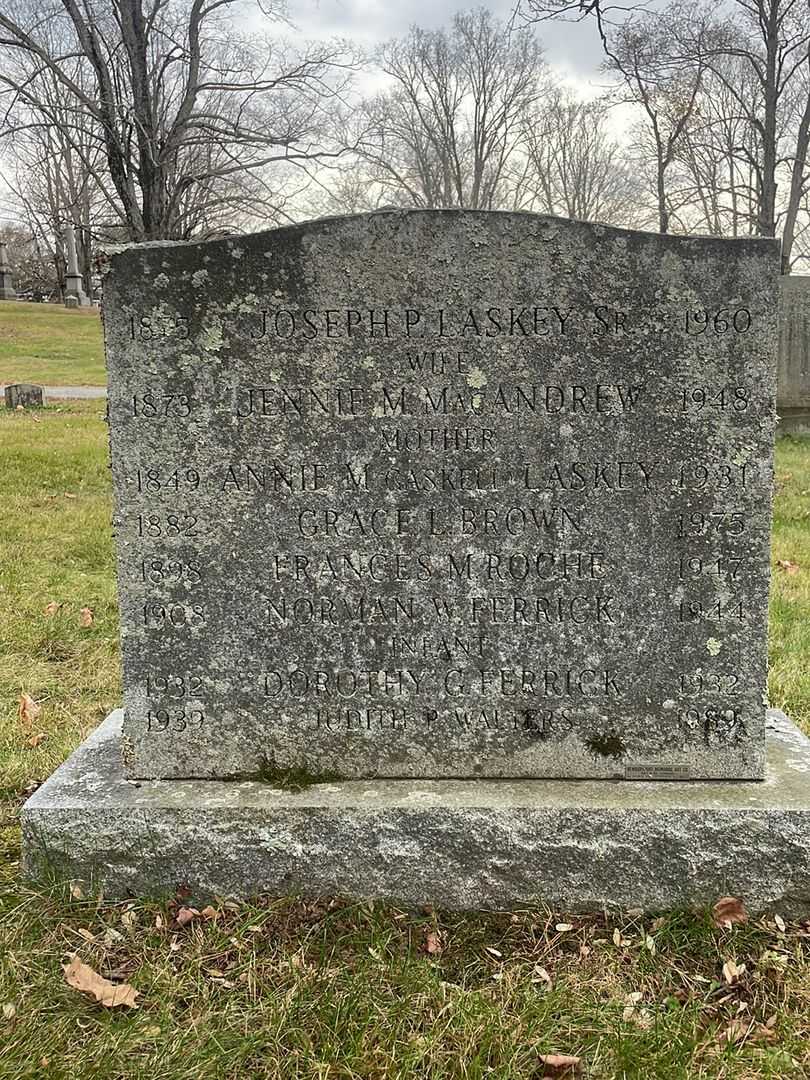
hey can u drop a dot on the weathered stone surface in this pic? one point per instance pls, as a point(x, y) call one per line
point(25, 394)
point(443, 494)
point(465, 844)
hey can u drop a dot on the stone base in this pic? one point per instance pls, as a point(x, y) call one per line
point(571, 844)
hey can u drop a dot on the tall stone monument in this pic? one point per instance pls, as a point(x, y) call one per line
point(6, 280)
point(75, 296)
point(412, 500)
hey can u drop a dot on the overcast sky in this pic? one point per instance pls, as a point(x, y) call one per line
point(573, 49)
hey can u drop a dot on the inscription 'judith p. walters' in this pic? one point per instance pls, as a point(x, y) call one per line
point(375, 517)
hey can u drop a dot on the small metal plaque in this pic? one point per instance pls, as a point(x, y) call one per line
point(657, 772)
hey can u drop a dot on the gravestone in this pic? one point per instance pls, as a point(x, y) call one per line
point(443, 494)
point(7, 291)
point(410, 500)
point(75, 296)
point(793, 373)
point(23, 395)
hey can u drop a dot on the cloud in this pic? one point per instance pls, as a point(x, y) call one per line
point(574, 48)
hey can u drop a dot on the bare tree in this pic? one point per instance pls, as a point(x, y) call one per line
point(185, 109)
point(573, 166)
point(647, 52)
point(445, 133)
point(755, 56)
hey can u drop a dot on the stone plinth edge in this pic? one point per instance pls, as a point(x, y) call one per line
point(464, 844)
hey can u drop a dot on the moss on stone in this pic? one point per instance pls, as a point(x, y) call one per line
point(608, 745)
point(293, 779)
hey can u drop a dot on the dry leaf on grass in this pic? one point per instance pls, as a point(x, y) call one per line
point(788, 566)
point(35, 740)
point(563, 927)
point(86, 617)
point(209, 912)
point(735, 1031)
point(780, 923)
point(29, 710)
point(729, 910)
point(433, 943)
point(52, 608)
point(9, 1011)
point(732, 971)
point(82, 977)
point(561, 1064)
point(185, 915)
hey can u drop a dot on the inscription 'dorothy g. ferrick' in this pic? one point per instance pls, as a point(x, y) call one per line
point(443, 494)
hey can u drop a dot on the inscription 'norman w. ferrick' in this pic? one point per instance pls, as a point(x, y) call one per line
point(443, 493)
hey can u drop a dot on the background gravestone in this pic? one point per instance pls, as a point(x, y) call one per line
point(443, 494)
point(7, 291)
point(25, 394)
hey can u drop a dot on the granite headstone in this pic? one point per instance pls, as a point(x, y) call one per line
point(23, 395)
point(443, 494)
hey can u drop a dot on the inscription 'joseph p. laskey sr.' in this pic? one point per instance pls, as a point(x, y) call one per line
point(443, 494)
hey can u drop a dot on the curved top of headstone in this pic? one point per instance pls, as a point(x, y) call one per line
point(446, 216)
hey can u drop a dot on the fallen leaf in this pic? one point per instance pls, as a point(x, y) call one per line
point(780, 923)
point(76, 890)
point(630, 1003)
point(86, 934)
point(209, 912)
point(433, 943)
point(562, 927)
point(561, 1064)
point(617, 936)
point(788, 566)
point(86, 617)
point(9, 1011)
point(158, 922)
point(493, 952)
point(35, 740)
point(129, 918)
point(734, 1032)
point(68, 495)
point(112, 936)
point(649, 945)
point(185, 915)
point(541, 976)
point(729, 910)
point(82, 977)
point(732, 971)
point(29, 710)
point(52, 608)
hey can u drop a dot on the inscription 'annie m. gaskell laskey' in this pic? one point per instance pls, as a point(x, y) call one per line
point(443, 494)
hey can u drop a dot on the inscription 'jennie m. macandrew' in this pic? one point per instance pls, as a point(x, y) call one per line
point(443, 493)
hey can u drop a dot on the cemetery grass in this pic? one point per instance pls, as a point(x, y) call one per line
point(51, 344)
point(331, 989)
